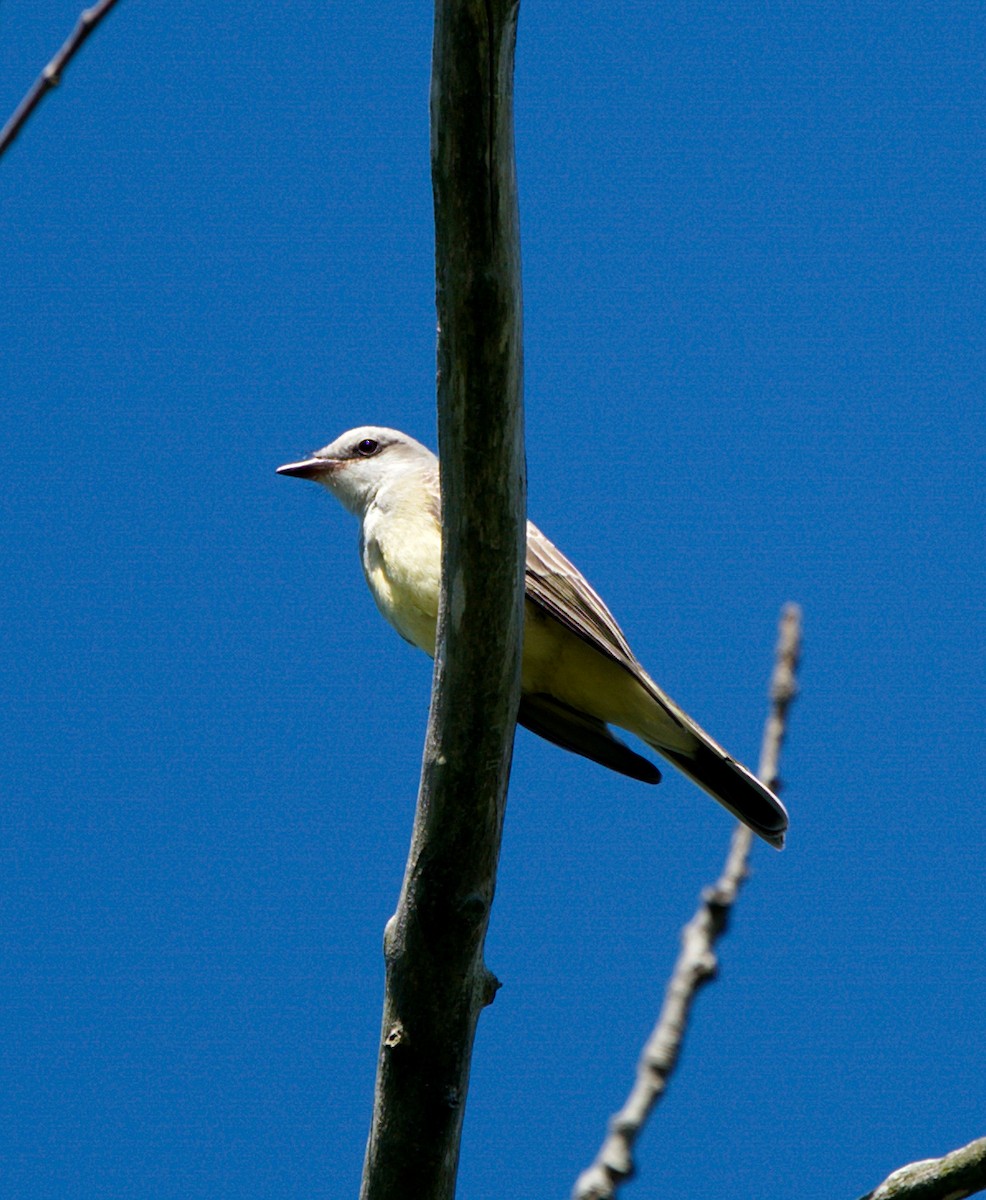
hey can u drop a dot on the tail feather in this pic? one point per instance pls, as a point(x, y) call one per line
point(734, 787)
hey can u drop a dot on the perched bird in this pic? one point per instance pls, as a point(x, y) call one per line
point(578, 675)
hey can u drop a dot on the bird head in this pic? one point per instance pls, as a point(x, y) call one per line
point(359, 463)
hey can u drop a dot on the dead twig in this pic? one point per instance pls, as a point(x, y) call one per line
point(51, 76)
point(696, 963)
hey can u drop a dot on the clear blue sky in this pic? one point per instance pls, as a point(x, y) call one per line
point(753, 258)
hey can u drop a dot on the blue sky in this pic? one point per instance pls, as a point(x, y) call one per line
point(754, 302)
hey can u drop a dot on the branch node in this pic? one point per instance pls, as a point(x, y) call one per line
point(395, 1036)
point(51, 75)
point(474, 909)
point(594, 1184)
point(706, 966)
point(489, 987)
point(618, 1161)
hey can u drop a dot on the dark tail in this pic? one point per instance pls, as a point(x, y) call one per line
point(735, 788)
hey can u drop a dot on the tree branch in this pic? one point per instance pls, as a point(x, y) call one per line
point(51, 76)
point(696, 963)
point(437, 982)
point(952, 1177)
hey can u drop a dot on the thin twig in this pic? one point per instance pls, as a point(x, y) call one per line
point(952, 1177)
point(696, 963)
point(51, 76)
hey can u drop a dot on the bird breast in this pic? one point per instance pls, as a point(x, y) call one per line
point(402, 561)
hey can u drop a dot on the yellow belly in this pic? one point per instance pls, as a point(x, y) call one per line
point(402, 561)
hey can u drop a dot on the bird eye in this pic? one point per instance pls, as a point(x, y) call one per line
point(367, 447)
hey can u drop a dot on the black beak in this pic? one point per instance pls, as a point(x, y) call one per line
point(308, 468)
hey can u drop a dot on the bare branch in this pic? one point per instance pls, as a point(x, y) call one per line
point(953, 1177)
point(696, 963)
point(437, 982)
point(783, 689)
point(51, 76)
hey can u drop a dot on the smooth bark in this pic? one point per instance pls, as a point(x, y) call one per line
point(437, 981)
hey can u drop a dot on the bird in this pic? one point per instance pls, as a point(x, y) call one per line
point(579, 675)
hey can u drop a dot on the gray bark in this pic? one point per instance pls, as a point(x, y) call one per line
point(437, 981)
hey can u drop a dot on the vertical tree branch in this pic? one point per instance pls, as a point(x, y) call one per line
point(437, 982)
point(51, 76)
point(696, 963)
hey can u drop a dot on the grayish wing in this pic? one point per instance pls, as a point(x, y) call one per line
point(562, 590)
point(559, 588)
